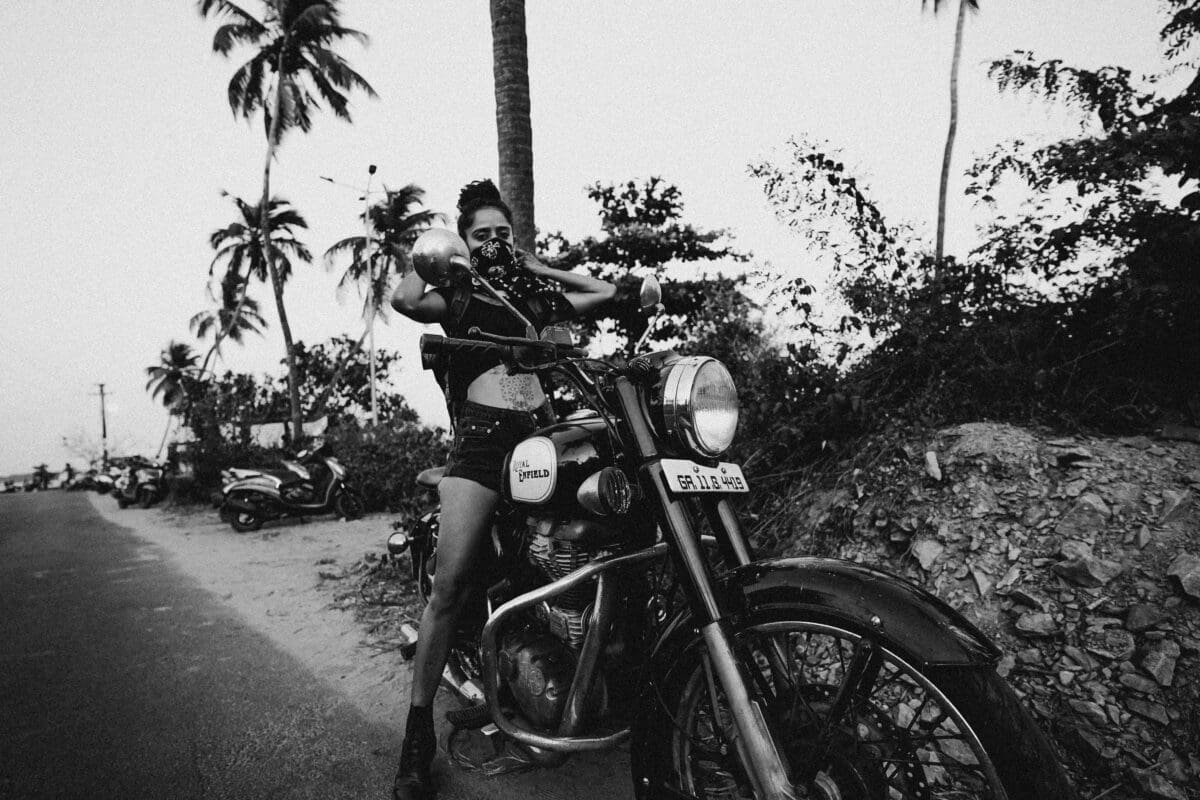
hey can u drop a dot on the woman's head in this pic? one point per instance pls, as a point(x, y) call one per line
point(483, 214)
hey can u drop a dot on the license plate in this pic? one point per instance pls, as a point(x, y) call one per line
point(688, 477)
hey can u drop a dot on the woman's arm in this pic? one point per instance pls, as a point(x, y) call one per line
point(411, 300)
point(584, 292)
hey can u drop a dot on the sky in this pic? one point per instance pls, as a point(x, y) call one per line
point(116, 142)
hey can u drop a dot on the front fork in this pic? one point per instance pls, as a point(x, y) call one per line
point(766, 767)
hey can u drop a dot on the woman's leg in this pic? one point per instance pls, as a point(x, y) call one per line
point(466, 519)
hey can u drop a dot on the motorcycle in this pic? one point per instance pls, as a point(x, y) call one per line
point(314, 483)
point(622, 601)
point(139, 481)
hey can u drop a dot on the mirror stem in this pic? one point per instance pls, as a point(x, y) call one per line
point(530, 331)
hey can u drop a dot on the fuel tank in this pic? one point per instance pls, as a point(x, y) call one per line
point(547, 468)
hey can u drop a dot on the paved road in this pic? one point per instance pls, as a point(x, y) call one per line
point(121, 678)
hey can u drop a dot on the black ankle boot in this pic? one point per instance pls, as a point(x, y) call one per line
point(413, 779)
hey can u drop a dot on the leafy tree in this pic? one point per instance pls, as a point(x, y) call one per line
point(235, 316)
point(292, 72)
point(241, 253)
point(514, 130)
point(641, 229)
point(394, 224)
point(172, 380)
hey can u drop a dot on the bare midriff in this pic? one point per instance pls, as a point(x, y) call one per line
point(498, 389)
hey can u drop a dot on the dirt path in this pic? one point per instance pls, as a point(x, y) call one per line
point(272, 578)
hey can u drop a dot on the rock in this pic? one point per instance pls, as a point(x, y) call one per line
point(1117, 645)
point(1087, 744)
point(1143, 616)
point(1036, 623)
point(1030, 598)
point(1155, 785)
point(932, 468)
point(1089, 711)
point(1143, 537)
point(1125, 497)
point(1186, 568)
point(1006, 665)
point(1030, 655)
point(1073, 549)
point(1032, 516)
point(1160, 662)
point(983, 583)
point(1132, 680)
point(1079, 657)
point(927, 552)
point(1175, 505)
point(1085, 517)
point(1010, 577)
point(1088, 570)
point(1148, 710)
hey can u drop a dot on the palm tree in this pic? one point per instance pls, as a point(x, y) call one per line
point(236, 314)
point(170, 380)
point(239, 248)
point(514, 131)
point(292, 72)
point(391, 226)
point(939, 247)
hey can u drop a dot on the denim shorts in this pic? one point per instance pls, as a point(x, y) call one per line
point(485, 435)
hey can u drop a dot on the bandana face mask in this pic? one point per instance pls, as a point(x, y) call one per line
point(495, 260)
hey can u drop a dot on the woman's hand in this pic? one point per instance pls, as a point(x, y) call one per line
point(530, 262)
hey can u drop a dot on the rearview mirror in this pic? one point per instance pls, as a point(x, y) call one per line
point(650, 295)
point(439, 256)
point(558, 334)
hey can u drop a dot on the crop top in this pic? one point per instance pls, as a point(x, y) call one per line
point(460, 369)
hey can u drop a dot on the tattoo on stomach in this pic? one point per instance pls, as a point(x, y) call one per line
point(520, 391)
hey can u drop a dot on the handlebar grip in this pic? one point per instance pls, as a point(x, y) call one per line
point(433, 345)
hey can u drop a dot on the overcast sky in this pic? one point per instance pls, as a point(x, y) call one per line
point(116, 140)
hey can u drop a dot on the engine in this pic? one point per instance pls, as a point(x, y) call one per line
point(557, 549)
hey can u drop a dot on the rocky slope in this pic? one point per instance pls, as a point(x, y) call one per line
point(1080, 556)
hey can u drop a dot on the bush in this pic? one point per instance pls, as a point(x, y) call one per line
point(383, 462)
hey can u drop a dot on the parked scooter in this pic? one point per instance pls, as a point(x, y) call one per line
point(140, 481)
point(314, 483)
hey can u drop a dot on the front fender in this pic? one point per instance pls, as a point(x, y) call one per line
point(901, 616)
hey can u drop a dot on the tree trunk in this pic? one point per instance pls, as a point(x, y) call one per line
point(514, 131)
point(939, 248)
point(277, 285)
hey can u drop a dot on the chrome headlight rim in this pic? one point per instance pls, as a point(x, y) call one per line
point(678, 417)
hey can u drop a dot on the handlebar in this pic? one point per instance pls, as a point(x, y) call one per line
point(507, 348)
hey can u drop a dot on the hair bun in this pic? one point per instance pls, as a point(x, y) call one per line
point(476, 191)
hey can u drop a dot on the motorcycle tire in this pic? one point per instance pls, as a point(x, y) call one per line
point(147, 498)
point(945, 732)
point(122, 502)
point(348, 504)
point(245, 521)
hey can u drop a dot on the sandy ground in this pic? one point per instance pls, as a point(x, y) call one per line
point(272, 578)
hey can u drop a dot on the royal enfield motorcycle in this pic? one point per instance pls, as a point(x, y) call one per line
point(622, 601)
point(313, 483)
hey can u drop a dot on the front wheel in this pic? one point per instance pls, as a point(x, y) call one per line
point(147, 496)
point(244, 521)
point(348, 504)
point(852, 720)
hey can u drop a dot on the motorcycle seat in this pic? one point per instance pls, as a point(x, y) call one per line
point(430, 478)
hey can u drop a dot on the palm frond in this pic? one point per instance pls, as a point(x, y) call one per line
point(224, 8)
point(230, 36)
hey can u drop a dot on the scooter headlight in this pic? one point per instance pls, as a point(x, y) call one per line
point(699, 405)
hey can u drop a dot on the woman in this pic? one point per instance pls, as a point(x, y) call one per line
point(492, 411)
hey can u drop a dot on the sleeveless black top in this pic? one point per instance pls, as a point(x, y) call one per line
point(471, 312)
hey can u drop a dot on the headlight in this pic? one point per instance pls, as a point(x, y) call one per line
point(700, 405)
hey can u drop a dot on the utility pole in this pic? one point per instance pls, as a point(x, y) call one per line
point(103, 429)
